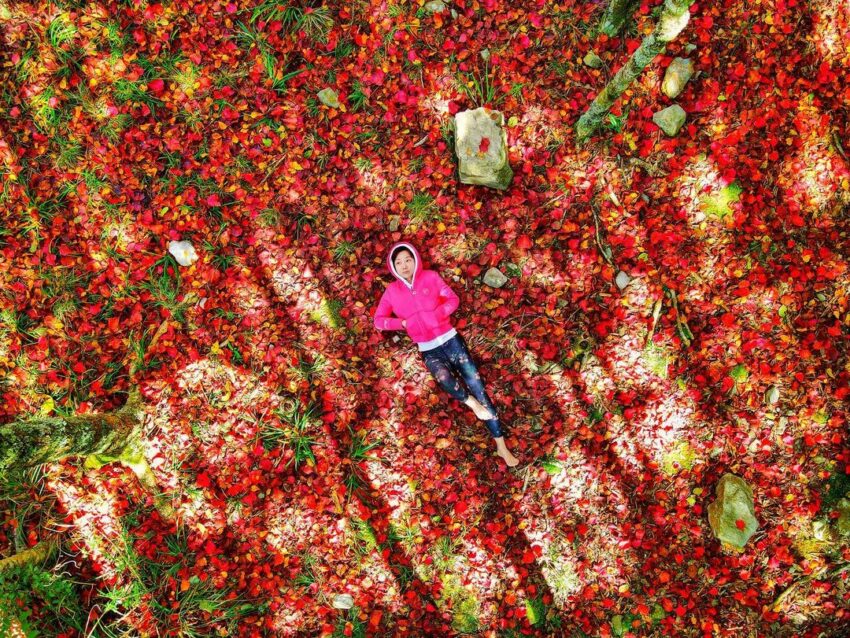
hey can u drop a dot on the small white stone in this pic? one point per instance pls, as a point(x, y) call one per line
point(435, 6)
point(328, 97)
point(495, 278)
point(593, 60)
point(772, 395)
point(183, 252)
point(622, 280)
point(343, 601)
point(671, 119)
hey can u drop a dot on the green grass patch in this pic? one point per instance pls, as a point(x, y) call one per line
point(357, 98)
point(44, 601)
point(463, 604)
point(295, 432)
point(657, 359)
point(61, 30)
point(423, 209)
point(163, 284)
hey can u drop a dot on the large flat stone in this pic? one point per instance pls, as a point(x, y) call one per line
point(481, 146)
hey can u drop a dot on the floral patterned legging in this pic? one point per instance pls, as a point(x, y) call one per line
point(451, 359)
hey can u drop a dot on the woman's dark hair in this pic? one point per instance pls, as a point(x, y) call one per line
point(398, 251)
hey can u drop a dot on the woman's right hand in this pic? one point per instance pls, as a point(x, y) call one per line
point(404, 323)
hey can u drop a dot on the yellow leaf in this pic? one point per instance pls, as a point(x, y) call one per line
point(215, 349)
point(47, 406)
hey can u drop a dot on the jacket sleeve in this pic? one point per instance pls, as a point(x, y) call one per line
point(383, 315)
point(450, 300)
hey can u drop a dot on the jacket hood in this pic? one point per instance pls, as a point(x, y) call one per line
point(416, 259)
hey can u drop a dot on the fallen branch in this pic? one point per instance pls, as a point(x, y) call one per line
point(777, 604)
point(684, 331)
point(604, 248)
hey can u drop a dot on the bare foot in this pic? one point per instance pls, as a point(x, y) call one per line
point(480, 411)
point(503, 451)
point(509, 458)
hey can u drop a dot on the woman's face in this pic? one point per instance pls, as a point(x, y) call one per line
point(404, 264)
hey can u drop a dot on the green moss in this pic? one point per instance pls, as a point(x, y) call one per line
point(718, 204)
point(681, 457)
point(328, 313)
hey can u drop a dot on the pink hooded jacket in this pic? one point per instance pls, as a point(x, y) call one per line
point(425, 304)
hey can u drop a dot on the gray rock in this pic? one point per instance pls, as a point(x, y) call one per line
point(593, 61)
point(678, 73)
point(328, 97)
point(732, 515)
point(454, 14)
point(394, 221)
point(622, 280)
point(671, 119)
point(481, 146)
point(343, 601)
point(690, 48)
point(435, 6)
point(494, 278)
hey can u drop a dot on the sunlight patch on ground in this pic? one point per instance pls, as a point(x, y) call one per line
point(596, 380)
point(666, 421)
point(831, 29)
point(558, 562)
point(222, 442)
point(634, 362)
point(396, 487)
point(294, 286)
point(252, 301)
point(539, 127)
point(700, 179)
point(293, 530)
point(815, 180)
point(97, 524)
point(373, 182)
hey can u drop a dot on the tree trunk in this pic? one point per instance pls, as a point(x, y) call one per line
point(38, 554)
point(40, 440)
point(674, 18)
point(615, 16)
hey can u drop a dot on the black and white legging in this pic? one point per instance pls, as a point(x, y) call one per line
point(446, 362)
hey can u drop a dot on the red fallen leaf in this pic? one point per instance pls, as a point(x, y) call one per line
point(453, 107)
point(156, 86)
point(740, 524)
point(204, 480)
point(375, 618)
point(484, 145)
point(461, 507)
point(524, 242)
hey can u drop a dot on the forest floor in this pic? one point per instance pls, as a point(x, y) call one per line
point(308, 456)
